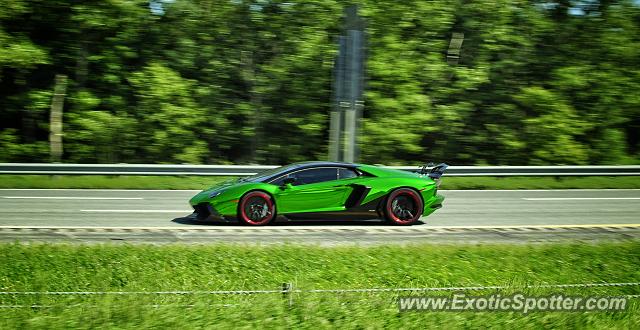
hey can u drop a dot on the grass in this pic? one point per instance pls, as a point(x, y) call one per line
point(565, 182)
point(199, 182)
point(109, 181)
point(49, 267)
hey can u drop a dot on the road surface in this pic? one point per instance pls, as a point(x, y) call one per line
point(162, 216)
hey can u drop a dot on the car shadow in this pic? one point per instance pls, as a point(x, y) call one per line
point(282, 222)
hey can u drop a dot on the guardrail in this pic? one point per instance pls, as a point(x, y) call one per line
point(244, 170)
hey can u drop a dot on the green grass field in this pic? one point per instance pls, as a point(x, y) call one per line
point(199, 182)
point(47, 267)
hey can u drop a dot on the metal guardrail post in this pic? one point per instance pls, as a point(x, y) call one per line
point(245, 170)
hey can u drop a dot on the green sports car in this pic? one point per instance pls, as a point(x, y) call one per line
point(324, 190)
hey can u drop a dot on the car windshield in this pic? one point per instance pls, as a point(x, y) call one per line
point(266, 174)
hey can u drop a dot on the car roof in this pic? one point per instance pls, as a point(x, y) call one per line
point(304, 165)
point(312, 164)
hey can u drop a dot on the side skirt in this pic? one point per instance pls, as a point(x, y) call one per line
point(368, 211)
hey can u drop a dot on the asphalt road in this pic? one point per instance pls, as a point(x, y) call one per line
point(168, 211)
point(135, 208)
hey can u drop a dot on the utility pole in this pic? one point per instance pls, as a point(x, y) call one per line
point(348, 89)
point(55, 117)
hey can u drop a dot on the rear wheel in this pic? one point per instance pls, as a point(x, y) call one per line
point(256, 208)
point(403, 207)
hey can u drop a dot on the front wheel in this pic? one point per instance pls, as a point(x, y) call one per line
point(403, 207)
point(256, 208)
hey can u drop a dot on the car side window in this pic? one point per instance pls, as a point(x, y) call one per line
point(313, 175)
point(316, 175)
point(346, 173)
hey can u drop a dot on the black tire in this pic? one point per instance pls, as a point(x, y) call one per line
point(256, 208)
point(403, 207)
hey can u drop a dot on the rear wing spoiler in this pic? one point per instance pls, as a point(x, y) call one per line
point(434, 172)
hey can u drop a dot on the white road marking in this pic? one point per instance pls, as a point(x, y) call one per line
point(137, 211)
point(191, 190)
point(374, 228)
point(578, 198)
point(64, 197)
point(596, 225)
point(109, 190)
point(536, 190)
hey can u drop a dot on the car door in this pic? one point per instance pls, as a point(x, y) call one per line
point(314, 190)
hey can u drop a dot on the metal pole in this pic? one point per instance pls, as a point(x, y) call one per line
point(348, 89)
point(55, 118)
point(337, 120)
point(355, 66)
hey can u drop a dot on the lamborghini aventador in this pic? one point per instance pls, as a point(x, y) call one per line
point(324, 190)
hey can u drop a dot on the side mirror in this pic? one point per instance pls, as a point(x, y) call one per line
point(288, 181)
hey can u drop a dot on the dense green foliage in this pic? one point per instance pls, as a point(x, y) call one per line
point(218, 81)
point(145, 268)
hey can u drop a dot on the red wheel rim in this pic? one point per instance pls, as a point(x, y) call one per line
point(256, 208)
point(404, 207)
